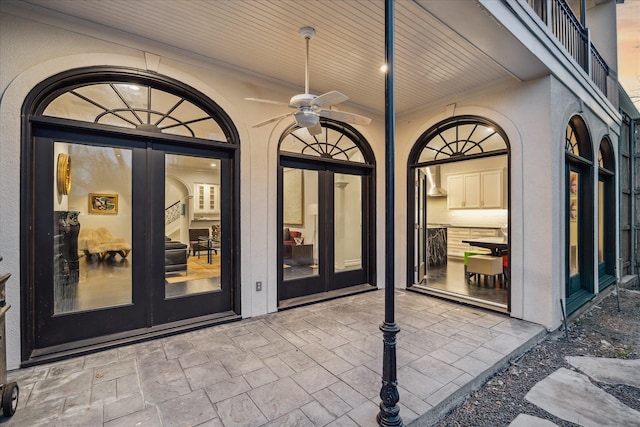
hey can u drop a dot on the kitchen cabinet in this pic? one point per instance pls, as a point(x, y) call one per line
point(455, 236)
point(206, 199)
point(476, 190)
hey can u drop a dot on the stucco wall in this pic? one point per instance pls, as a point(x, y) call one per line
point(533, 114)
point(53, 50)
point(522, 110)
point(601, 22)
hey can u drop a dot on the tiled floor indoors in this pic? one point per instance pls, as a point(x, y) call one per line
point(310, 366)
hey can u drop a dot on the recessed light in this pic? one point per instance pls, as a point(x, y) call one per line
point(213, 165)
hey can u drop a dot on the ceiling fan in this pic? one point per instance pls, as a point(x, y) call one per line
point(309, 108)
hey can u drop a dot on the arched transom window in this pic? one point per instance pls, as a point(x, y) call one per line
point(571, 140)
point(336, 141)
point(577, 140)
point(135, 106)
point(463, 136)
point(605, 156)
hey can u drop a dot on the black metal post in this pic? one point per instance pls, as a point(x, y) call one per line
point(389, 414)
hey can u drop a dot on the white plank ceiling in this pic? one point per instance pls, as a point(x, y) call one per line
point(434, 63)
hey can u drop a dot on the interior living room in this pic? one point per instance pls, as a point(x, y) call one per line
point(95, 255)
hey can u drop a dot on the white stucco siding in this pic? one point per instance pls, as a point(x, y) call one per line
point(533, 114)
point(522, 111)
point(601, 22)
point(52, 50)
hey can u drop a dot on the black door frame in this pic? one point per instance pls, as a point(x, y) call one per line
point(34, 124)
point(585, 229)
point(197, 305)
point(606, 175)
point(413, 164)
point(122, 327)
point(50, 330)
point(327, 279)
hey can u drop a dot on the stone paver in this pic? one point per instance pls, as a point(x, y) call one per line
point(315, 365)
point(525, 420)
point(610, 371)
point(571, 396)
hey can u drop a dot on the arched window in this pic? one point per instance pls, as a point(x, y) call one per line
point(336, 141)
point(463, 136)
point(326, 211)
point(579, 218)
point(133, 105)
point(458, 171)
point(127, 174)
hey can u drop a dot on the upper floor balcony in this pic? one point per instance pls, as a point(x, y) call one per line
point(563, 23)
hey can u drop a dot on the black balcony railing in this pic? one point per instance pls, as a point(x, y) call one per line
point(574, 37)
point(599, 70)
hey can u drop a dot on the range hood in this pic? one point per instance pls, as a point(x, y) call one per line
point(433, 178)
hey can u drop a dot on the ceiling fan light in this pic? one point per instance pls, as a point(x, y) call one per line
point(306, 118)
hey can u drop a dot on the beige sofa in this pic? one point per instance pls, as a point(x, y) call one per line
point(102, 243)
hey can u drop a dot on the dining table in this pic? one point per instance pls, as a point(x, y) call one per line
point(497, 245)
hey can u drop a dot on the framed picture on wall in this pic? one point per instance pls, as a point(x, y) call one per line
point(100, 203)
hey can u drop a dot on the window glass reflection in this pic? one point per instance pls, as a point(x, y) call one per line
point(193, 232)
point(573, 222)
point(348, 222)
point(300, 245)
point(91, 227)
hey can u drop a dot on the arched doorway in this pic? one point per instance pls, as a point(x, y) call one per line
point(458, 207)
point(579, 215)
point(109, 254)
point(326, 211)
point(606, 215)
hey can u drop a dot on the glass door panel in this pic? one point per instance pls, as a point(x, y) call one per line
point(300, 245)
point(87, 263)
point(601, 221)
point(323, 247)
point(420, 231)
point(92, 244)
point(190, 222)
point(574, 264)
point(347, 222)
point(192, 231)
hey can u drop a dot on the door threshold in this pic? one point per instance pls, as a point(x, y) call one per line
point(476, 302)
point(92, 345)
point(324, 296)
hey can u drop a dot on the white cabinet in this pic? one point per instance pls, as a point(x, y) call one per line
point(206, 198)
point(491, 189)
point(455, 236)
point(476, 190)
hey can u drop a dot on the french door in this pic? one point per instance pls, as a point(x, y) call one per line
point(324, 214)
point(420, 231)
point(101, 265)
point(580, 245)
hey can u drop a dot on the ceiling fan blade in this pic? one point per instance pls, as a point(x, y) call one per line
point(315, 130)
point(343, 116)
point(272, 119)
point(267, 101)
point(328, 99)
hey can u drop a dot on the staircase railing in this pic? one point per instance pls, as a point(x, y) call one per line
point(172, 213)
